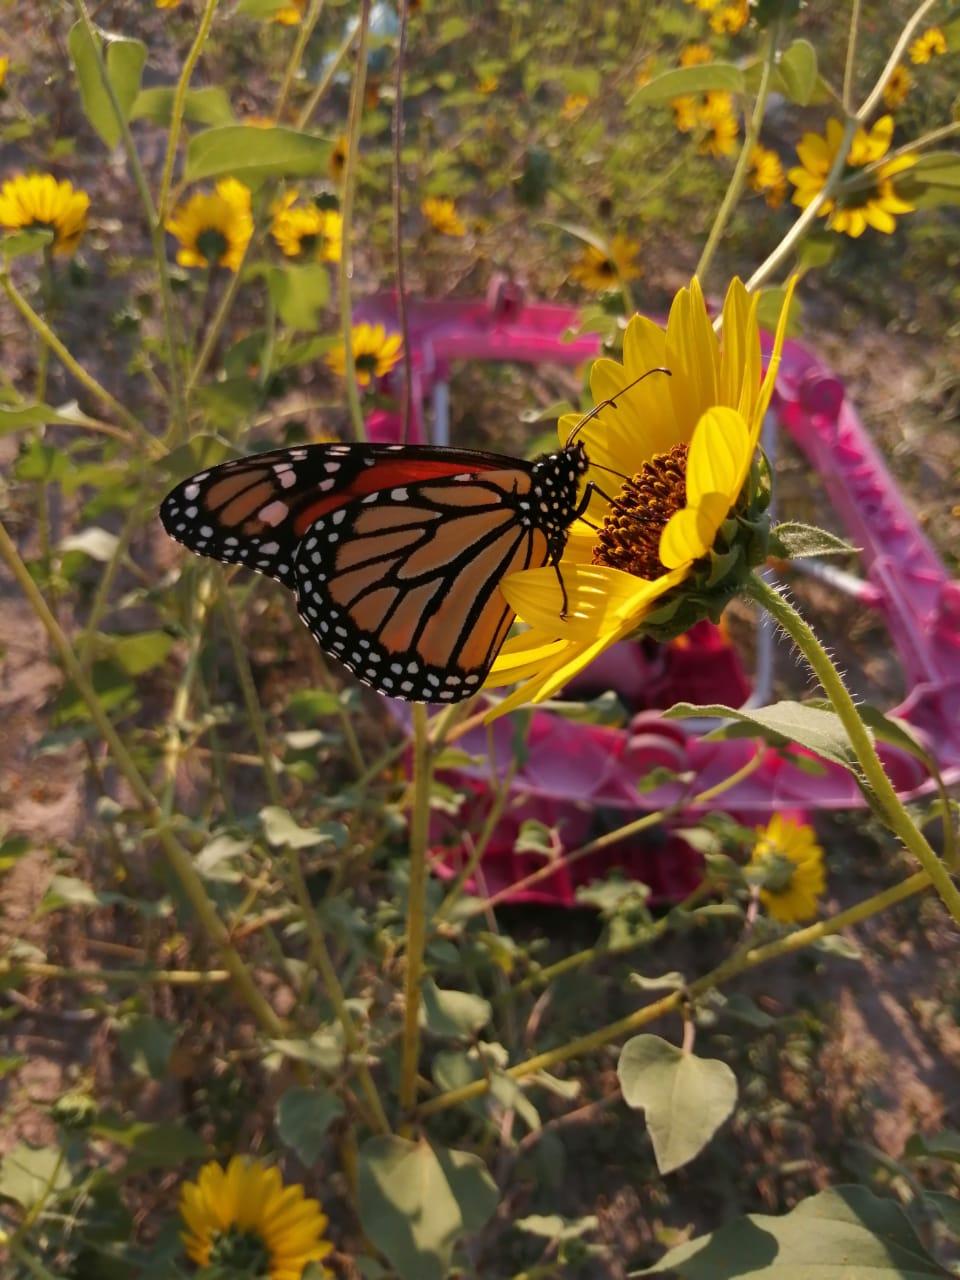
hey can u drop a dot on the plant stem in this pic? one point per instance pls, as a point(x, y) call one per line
point(397, 130)
point(848, 69)
point(339, 58)
point(416, 907)
point(897, 817)
point(872, 100)
point(179, 103)
point(346, 205)
point(179, 858)
point(735, 965)
point(739, 175)
point(152, 977)
point(304, 32)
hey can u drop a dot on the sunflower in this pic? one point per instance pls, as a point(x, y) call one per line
point(694, 55)
point(214, 228)
point(686, 113)
point(290, 14)
point(374, 353)
point(442, 216)
point(766, 175)
point(688, 443)
point(574, 105)
point(730, 19)
point(243, 1220)
point(722, 127)
point(931, 44)
point(897, 87)
point(874, 203)
point(306, 231)
point(788, 863)
point(599, 270)
point(39, 200)
point(705, 6)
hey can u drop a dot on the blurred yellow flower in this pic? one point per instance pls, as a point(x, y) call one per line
point(789, 863)
point(688, 441)
point(722, 126)
point(488, 84)
point(4, 68)
point(574, 104)
point(731, 18)
point(766, 175)
point(442, 216)
point(705, 6)
point(931, 44)
point(259, 122)
point(875, 203)
point(242, 1220)
point(693, 55)
point(338, 158)
point(306, 231)
point(595, 269)
point(167, 4)
point(374, 353)
point(214, 227)
point(39, 200)
point(897, 87)
point(686, 113)
point(291, 14)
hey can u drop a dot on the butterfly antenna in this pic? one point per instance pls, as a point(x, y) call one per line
point(611, 402)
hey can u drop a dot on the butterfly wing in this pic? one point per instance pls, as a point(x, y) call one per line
point(253, 511)
point(403, 585)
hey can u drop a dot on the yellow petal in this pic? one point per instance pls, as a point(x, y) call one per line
point(523, 657)
point(719, 457)
point(598, 597)
point(773, 364)
point(690, 533)
point(693, 354)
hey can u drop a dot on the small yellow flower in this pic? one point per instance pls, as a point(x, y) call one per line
point(875, 204)
point(766, 175)
point(4, 68)
point(644, 73)
point(291, 14)
point(597, 270)
point(574, 105)
point(688, 443)
point(731, 18)
point(214, 228)
point(338, 158)
point(693, 55)
point(443, 217)
point(722, 127)
point(705, 6)
point(488, 84)
point(305, 231)
point(931, 44)
point(374, 353)
point(686, 113)
point(897, 87)
point(259, 122)
point(39, 200)
point(167, 4)
point(789, 862)
point(243, 1220)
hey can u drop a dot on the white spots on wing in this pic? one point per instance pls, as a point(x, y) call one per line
point(274, 513)
point(191, 513)
point(269, 548)
point(399, 495)
point(332, 467)
point(287, 478)
point(338, 516)
point(327, 484)
point(190, 491)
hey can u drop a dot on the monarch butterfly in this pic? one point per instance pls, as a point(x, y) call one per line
point(395, 552)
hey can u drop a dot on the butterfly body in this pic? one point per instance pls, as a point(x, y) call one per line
point(395, 553)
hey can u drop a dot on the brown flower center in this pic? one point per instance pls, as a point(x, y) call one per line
point(629, 538)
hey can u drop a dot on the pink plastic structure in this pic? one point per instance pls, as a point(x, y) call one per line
point(574, 774)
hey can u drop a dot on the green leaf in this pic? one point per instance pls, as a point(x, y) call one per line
point(253, 155)
point(685, 1098)
point(940, 1146)
point(152, 1146)
point(553, 1227)
point(324, 1049)
point(198, 453)
point(417, 1201)
point(948, 1207)
point(933, 180)
point(818, 730)
point(260, 8)
point(29, 1174)
point(124, 66)
point(201, 106)
point(452, 1013)
point(147, 1044)
point(685, 80)
point(98, 544)
point(792, 539)
point(67, 891)
point(303, 1118)
point(846, 1233)
point(17, 243)
point(299, 292)
point(798, 70)
point(281, 830)
point(141, 652)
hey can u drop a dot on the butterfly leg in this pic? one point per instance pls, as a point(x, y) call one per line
point(564, 606)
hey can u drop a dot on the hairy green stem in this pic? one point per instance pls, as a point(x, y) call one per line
point(346, 204)
point(416, 907)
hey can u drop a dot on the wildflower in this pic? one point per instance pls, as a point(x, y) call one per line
point(4, 68)
point(306, 231)
point(374, 353)
point(931, 44)
point(872, 204)
point(766, 175)
point(488, 84)
point(694, 55)
point(688, 442)
point(574, 105)
point(259, 122)
point(722, 127)
point(686, 113)
point(214, 228)
point(243, 1220)
point(596, 269)
point(789, 864)
point(897, 87)
point(442, 216)
point(167, 4)
point(291, 14)
point(705, 6)
point(731, 18)
point(39, 200)
point(338, 158)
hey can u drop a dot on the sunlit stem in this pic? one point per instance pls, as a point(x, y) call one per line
point(416, 907)
point(177, 110)
point(346, 256)
point(304, 32)
point(851, 59)
point(320, 92)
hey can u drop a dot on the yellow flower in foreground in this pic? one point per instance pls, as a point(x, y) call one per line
point(790, 863)
point(931, 44)
point(766, 175)
point(722, 127)
point(243, 1220)
point(442, 216)
point(595, 269)
point(39, 200)
point(574, 104)
point(897, 87)
point(875, 203)
point(694, 55)
point(374, 353)
point(304, 231)
point(214, 227)
point(731, 18)
point(291, 14)
point(688, 443)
